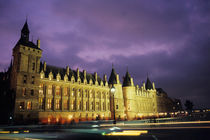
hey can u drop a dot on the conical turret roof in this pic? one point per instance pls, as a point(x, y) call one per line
point(127, 79)
point(25, 28)
point(113, 77)
point(149, 84)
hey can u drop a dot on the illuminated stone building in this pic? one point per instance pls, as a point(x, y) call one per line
point(50, 94)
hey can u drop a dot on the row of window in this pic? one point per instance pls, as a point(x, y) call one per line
point(25, 79)
point(24, 92)
point(28, 105)
point(73, 105)
point(57, 90)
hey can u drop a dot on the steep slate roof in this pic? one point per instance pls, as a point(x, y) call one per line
point(127, 79)
point(62, 71)
point(24, 40)
point(149, 84)
point(160, 91)
point(25, 28)
point(113, 77)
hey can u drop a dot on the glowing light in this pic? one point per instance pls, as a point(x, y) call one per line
point(26, 131)
point(128, 133)
point(15, 132)
point(70, 117)
point(95, 126)
point(4, 132)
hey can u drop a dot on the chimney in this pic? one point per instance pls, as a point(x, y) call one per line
point(38, 43)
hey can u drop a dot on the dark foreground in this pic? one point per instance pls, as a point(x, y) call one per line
point(195, 130)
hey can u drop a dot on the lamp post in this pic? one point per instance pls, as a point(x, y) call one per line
point(113, 92)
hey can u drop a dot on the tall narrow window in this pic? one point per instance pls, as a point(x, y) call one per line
point(92, 105)
point(66, 105)
point(57, 103)
point(24, 91)
point(50, 89)
point(116, 106)
point(104, 106)
point(29, 105)
point(86, 106)
point(22, 105)
point(57, 90)
point(41, 103)
point(72, 92)
point(73, 105)
point(49, 103)
point(32, 92)
point(97, 105)
point(25, 79)
point(65, 91)
point(32, 80)
point(79, 93)
point(41, 87)
point(33, 66)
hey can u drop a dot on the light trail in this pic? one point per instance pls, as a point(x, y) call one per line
point(149, 124)
point(187, 127)
point(127, 133)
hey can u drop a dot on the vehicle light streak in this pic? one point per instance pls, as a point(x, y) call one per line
point(4, 132)
point(166, 123)
point(127, 133)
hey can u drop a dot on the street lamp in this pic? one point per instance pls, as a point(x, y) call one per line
point(113, 92)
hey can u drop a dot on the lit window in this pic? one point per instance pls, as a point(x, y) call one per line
point(72, 92)
point(57, 90)
point(65, 91)
point(22, 105)
point(29, 105)
point(41, 87)
point(50, 89)
point(41, 103)
point(73, 105)
point(57, 103)
point(24, 91)
point(66, 105)
point(49, 103)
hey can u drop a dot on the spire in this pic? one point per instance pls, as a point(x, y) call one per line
point(113, 76)
point(127, 79)
point(148, 84)
point(25, 32)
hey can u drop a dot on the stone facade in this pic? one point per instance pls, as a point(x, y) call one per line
point(50, 94)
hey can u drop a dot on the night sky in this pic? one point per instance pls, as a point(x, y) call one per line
point(169, 40)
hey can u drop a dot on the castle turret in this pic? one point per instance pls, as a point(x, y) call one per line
point(117, 101)
point(129, 94)
point(26, 75)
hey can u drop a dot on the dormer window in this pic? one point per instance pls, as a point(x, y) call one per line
point(33, 66)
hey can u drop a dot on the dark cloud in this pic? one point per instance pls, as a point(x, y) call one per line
point(168, 40)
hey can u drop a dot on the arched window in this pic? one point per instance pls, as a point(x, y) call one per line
point(57, 90)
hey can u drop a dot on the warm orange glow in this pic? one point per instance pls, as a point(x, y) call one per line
point(128, 133)
point(4, 132)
